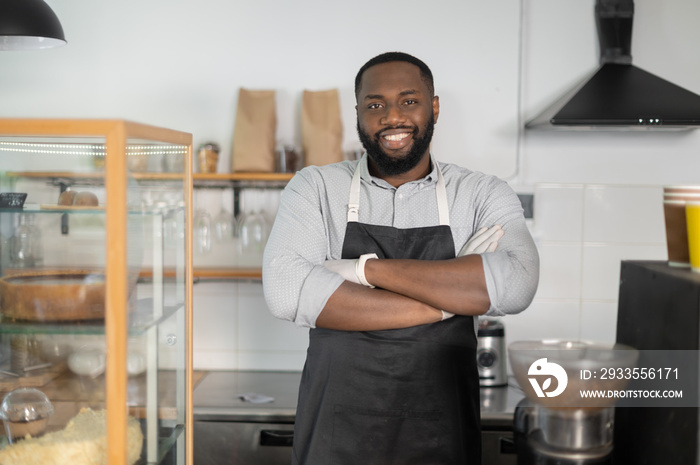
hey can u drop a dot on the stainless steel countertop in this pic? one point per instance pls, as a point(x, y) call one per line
point(216, 398)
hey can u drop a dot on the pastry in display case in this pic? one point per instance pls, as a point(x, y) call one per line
point(95, 293)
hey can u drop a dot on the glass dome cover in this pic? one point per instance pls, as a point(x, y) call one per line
point(25, 405)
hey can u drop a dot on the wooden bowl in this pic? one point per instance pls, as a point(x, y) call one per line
point(51, 295)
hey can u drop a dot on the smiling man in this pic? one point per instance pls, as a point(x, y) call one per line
point(398, 147)
point(389, 260)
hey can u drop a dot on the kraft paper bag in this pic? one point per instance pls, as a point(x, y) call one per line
point(321, 127)
point(254, 131)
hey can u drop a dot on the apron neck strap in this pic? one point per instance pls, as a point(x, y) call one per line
point(440, 193)
point(354, 201)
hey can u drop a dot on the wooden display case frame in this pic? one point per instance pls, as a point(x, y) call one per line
point(116, 133)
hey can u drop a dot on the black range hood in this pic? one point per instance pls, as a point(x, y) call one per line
point(620, 95)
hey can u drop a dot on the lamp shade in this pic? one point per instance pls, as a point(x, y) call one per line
point(29, 25)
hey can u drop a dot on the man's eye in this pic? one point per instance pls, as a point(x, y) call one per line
point(374, 106)
point(410, 102)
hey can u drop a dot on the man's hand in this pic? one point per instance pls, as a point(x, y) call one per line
point(345, 268)
point(352, 270)
point(446, 315)
point(484, 240)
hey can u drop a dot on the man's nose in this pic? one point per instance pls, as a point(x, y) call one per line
point(393, 115)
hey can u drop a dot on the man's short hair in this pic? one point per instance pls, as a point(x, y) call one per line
point(387, 57)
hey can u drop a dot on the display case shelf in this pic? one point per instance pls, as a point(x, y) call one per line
point(200, 179)
point(141, 319)
point(73, 210)
point(69, 176)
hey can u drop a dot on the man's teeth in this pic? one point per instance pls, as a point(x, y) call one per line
point(395, 137)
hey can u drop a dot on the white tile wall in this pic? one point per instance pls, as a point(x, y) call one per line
point(272, 360)
point(215, 359)
point(582, 232)
point(558, 212)
point(560, 271)
point(215, 316)
point(601, 266)
point(259, 330)
point(233, 329)
point(598, 321)
point(623, 214)
point(553, 319)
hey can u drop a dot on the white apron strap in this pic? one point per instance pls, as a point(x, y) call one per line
point(440, 192)
point(354, 201)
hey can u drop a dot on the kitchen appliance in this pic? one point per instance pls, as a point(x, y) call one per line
point(554, 424)
point(619, 94)
point(230, 430)
point(491, 353)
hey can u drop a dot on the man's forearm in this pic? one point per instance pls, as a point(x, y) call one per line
point(353, 307)
point(456, 285)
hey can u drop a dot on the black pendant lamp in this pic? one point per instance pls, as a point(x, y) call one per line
point(29, 25)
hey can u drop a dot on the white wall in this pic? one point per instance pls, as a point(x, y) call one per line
point(560, 48)
point(180, 64)
point(598, 194)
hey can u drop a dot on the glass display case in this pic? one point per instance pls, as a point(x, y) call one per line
point(95, 291)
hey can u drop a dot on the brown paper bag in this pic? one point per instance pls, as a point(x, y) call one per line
point(254, 131)
point(321, 127)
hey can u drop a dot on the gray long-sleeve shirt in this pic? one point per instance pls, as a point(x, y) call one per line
point(310, 227)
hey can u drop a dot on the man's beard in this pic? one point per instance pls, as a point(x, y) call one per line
point(389, 166)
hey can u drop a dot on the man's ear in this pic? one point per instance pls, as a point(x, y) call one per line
point(436, 108)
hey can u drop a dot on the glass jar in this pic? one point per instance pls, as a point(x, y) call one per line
point(288, 159)
point(22, 243)
point(208, 157)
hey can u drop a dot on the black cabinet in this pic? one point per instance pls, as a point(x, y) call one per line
point(658, 310)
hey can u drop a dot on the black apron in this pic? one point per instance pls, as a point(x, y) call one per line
point(392, 397)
